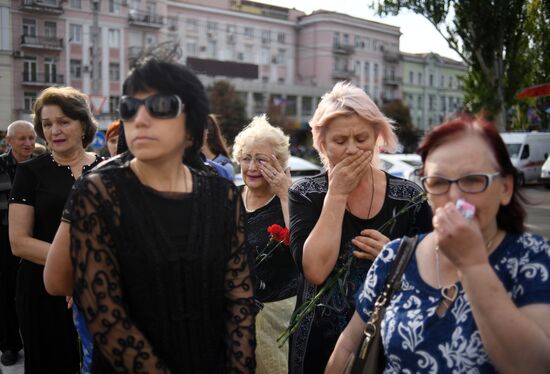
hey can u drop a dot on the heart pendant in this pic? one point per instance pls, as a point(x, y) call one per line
point(450, 292)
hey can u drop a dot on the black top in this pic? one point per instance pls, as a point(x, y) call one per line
point(278, 274)
point(8, 165)
point(315, 338)
point(44, 184)
point(164, 282)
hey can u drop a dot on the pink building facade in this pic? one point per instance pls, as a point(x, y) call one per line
point(272, 55)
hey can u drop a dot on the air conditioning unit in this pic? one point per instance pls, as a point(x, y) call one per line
point(202, 48)
point(172, 28)
point(17, 54)
point(231, 38)
point(210, 35)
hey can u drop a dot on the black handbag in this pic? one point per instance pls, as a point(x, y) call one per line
point(369, 358)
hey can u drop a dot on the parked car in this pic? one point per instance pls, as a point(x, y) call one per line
point(528, 151)
point(401, 165)
point(299, 168)
point(545, 173)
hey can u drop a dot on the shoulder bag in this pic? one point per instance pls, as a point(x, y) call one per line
point(369, 358)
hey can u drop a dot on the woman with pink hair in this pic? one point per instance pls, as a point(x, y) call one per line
point(344, 212)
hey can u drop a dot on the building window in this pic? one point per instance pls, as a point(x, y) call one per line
point(249, 32)
point(431, 103)
point(357, 68)
point(259, 103)
point(281, 56)
point(114, 6)
point(290, 105)
point(191, 48)
point(450, 82)
point(29, 27)
point(336, 39)
point(113, 104)
point(212, 49)
point(443, 103)
point(366, 68)
point(420, 79)
point(75, 33)
point(442, 81)
point(50, 29)
point(75, 4)
point(419, 101)
point(212, 27)
point(114, 38)
point(76, 69)
point(281, 37)
point(264, 56)
point(248, 53)
point(114, 71)
point(375, 73)
point(307, 105)
point(29, 70)
point(28, 101)
point(431, 80)
point(345, 39)
point(266, 36)
point(50, 71)
point(411, 77)
point(192, 25)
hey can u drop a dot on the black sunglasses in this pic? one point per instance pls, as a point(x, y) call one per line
point(158, 106)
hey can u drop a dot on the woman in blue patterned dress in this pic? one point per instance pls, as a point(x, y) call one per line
point(475, 296)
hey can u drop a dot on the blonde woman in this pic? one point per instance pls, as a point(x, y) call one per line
point(262, 151)
point(338, 214)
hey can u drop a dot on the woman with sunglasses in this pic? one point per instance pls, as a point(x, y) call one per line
point(162, 272)
point(475, 294)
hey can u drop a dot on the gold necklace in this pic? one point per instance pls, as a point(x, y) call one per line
point(450, 292)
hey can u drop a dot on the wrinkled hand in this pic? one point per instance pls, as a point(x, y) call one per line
point(346, 174)
point(369, 244)
point(458, 238)
point(278, 179)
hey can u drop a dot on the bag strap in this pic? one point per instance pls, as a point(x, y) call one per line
point(393, 283)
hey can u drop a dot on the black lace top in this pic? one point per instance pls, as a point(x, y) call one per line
point(159, 297)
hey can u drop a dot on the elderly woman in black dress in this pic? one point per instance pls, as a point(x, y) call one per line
point(162, 273)
point(41, 186)
point(263, 152)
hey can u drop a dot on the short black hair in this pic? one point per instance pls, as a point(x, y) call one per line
point(172, 78)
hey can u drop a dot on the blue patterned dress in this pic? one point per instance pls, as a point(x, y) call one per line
point(417, 340)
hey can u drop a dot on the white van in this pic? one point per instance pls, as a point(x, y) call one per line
point(528, 151)
point(545, 173)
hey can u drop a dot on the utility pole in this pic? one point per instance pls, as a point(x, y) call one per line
point(95, 48)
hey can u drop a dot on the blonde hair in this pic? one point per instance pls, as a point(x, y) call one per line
point(345, 99)
point(260, 130)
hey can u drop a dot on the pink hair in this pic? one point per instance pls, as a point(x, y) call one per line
point(346, 99)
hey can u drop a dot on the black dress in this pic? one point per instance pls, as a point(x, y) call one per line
point(163, 280)
point(314, 340)
point(49, 337)
point(277, 276)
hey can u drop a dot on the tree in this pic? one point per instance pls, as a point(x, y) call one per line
point(406, 131)
point(226, 103)
point(489, 36)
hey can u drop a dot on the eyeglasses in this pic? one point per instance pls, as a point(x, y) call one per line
point(470, 183)
point(258, 159)
point(158, 106)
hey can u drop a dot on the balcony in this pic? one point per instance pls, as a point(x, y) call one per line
point(41, 42)
point(342, 74)
point(392, 56)
point(37, 80)
point(50, 7)
point(343, 49)
point(145, 19)
point(392, 81)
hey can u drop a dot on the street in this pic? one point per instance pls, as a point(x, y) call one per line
point(538, 221)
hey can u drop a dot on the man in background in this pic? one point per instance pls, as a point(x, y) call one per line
point(21, 139)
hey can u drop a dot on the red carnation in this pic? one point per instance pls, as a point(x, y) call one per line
point(277, 232)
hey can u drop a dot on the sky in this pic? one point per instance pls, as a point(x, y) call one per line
point(418, 35)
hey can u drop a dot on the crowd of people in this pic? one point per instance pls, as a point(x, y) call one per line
point(153, 261)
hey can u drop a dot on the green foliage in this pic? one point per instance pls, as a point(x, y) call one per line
point(490, 37)
point(229, 107)
point(407, 133)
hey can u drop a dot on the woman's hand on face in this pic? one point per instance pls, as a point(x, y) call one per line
point(346, 174)
point(459, 239)
point(278, 179)
point(369, 244)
